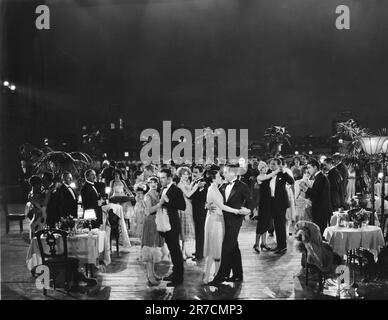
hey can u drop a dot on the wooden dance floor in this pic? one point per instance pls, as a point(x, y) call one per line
point(266, 276)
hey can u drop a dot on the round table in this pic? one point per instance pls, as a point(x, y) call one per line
point(336, 214)
point(86, 247)
point(344, 239)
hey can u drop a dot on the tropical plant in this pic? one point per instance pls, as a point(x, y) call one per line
point(275, 137)
point(59, 162)
point(351, 132)
point(56, 162)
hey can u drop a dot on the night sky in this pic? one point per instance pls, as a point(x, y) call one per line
point(223, 63)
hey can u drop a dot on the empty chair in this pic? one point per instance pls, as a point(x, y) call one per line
point(53, 249)
point(11, 216)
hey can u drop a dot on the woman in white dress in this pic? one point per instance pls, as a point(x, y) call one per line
point(186, 216)
point(303, 204)
point(214, 225)
point(120, 191)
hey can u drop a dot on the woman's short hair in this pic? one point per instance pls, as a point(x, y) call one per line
point(118, 171)
point(153, 179)
point(262, 165)
point(277, 160)
point(210, 175)
point(182, 170)
point(297, 158)
point(35, 180)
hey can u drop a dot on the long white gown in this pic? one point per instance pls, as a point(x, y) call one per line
point(214, 225)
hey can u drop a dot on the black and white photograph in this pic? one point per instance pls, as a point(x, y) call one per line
point(198, 150)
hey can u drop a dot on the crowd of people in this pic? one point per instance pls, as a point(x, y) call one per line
point(205, 204)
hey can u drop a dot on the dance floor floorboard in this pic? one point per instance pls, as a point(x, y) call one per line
point(266, 276)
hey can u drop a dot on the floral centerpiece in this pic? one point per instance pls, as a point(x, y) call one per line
point(66, 223)
point(358, 216)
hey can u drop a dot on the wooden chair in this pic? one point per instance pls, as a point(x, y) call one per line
point(57, 262)
point(321, 275)
point(114, 222)
point(13, 216)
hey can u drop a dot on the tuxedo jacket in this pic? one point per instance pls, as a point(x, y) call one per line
point(281, 196)
point(198, 201)
point(336, 188)
point(240, 196)
point(319, 195)
point(176, 202)
point(89, 196)
point(67, 201)
point(344, 174)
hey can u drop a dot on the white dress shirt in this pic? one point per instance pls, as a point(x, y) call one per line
point(164, 192)
point(272, 185)
point(229, 188)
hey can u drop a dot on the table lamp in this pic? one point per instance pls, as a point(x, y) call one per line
point(373, 145)
point(90, 215)
point(107, 191)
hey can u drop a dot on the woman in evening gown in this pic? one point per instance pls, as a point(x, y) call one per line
point(152, 242)
point(264, 219)
point(119, 191)
point(303, 204)
point(186, 216)
point(141, 210)
point(36, 206)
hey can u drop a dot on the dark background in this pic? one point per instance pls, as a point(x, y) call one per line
point(223, 63)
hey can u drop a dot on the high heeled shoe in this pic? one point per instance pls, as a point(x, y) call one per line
point(255, 247)
point(263, 246)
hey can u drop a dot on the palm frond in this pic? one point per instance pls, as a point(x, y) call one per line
point(59, 162)
point(82, 156)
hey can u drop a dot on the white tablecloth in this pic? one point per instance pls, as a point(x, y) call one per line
point(344, 239)
point(86, 247)
point(378, 205)
point(334, 218)
point(118, 210)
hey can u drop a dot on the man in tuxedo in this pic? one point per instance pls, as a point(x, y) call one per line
point(236, 195)
point(198, 200)
point(63, 201)
point(336, 185)
point(91, 197)
point(279, 202)
point(172, 200)
point(319, 194)
point(343, 170)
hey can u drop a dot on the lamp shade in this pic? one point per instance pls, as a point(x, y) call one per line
point(373, 145)
point(384, 148)
point(90, 214)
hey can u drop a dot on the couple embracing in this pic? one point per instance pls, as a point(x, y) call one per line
point(226, 203)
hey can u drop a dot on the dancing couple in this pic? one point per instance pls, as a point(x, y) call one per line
point(226, 209)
